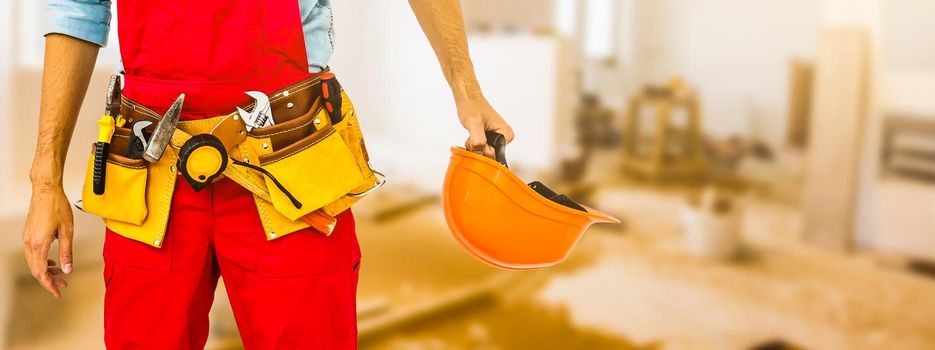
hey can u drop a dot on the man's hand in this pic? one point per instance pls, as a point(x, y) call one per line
point(443, 24)
point(49, 218)
point(477, 116)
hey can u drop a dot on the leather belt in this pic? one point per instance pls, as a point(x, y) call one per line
point(288, 105)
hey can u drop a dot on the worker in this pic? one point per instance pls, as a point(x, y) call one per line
point(294, 291)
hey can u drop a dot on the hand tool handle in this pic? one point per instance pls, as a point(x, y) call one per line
point(331, 92)
point(104, 134)
point(100, 167)
point(498, 142)
point(320, 221)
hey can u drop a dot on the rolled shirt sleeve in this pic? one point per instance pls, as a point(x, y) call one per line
point(318, 27)
point(88, 20)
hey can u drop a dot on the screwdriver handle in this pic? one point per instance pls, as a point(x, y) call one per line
point(100, 169)
point(331, 92)
point(104, 133)
point(105, 128)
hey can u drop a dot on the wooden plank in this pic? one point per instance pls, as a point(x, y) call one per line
point(432, 310)
point(838, 116)
point(801, 75)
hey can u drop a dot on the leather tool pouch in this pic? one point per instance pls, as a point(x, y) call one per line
point(349, 128)
point(124, 197)
point(288, 132)
point(317, 170)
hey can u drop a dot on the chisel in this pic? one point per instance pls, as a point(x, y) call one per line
point(105, 132)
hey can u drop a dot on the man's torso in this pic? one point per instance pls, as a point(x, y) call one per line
point(89, 20)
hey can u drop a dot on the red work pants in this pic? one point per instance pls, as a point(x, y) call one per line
point(295, 292)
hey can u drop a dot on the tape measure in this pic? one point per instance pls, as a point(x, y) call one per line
point(201, 160)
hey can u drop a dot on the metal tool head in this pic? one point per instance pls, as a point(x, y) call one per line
point(164, 129)
point(112, 103)
point(262, 114)
point(138, 130)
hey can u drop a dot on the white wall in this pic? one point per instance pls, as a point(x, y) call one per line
point(908, 58)
point(894, 215)
point(909, 31)
point(6, 71)
point(735, 52)
point(408, 115)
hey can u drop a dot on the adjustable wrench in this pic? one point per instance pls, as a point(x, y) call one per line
point(138, 140)
point(262, 114)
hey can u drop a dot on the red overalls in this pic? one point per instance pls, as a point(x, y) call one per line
point(295, 292)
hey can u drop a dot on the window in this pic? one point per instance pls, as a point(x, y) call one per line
point(599, 28)
point(566, 17)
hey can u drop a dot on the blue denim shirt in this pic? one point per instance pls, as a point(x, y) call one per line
point(89, 20)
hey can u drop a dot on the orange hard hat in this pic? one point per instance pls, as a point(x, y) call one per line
point(504, 222)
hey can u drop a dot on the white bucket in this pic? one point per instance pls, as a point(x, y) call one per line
point(711, 235)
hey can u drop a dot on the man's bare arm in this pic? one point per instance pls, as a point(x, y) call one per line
point(69, 63)
point(443, 24)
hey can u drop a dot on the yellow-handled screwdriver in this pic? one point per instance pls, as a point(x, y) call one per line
point(106, 126)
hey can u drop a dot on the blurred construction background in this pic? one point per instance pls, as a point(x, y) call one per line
point(773, 161)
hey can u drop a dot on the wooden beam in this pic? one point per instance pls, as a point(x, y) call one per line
point(838, 114)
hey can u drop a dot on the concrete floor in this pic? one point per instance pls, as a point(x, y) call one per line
point(646, 288)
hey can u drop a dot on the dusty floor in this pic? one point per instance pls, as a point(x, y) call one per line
point(620, 289)
point(646, 288)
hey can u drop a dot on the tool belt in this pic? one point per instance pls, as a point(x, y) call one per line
point(309, 166)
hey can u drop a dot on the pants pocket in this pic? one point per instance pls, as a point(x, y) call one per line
point(108, 273)
point(128, 252)
point(356, 275)
point(308, 252)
